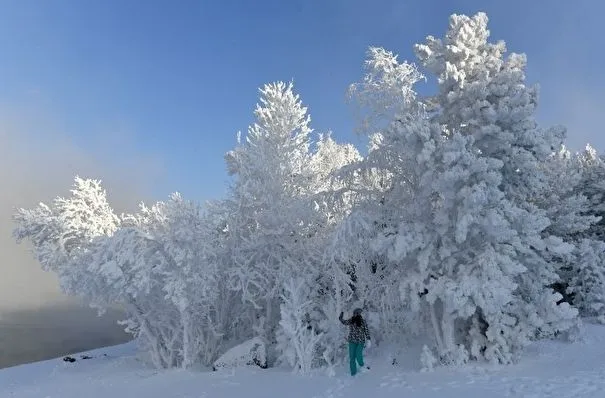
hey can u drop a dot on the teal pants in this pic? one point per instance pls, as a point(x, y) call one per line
point(355, 356)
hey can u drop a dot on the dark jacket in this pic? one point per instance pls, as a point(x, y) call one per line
point(357, 334)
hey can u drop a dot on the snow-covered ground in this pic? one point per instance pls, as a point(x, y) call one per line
point(548, 369)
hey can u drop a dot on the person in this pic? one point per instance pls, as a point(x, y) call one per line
point(358, 335)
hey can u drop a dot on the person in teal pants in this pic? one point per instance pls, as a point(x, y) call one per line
point(358, 335)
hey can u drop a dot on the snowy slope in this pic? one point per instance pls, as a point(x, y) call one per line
point(549, 369)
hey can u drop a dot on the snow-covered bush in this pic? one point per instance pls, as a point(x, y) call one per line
point(249, 353)
point(427, 359)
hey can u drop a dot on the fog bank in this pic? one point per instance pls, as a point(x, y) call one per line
point(37, 163)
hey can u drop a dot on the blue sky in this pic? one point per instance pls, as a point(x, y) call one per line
point(174, 81)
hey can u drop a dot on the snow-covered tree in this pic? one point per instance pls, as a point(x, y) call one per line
point(582, 281)
point(177, 233)
point(568, 210)
point(62, 232)
point(385, 91)
point(298, 337)
point(180, 304)
point(286, 198)
point(272, 215)
point(460, 223)
point(586, 279)
point(567, 207)
point(326, 164)
point(386, 94)
point(158, 265)
point(483, 94)
point(592, 186)
point(451, 246)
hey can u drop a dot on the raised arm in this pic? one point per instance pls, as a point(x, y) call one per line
point(344, 321)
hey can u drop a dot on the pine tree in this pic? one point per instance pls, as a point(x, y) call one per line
point(272, 215)
point(482, 94)
point(592, 186)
